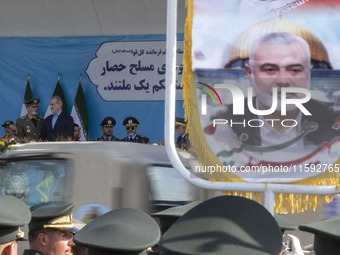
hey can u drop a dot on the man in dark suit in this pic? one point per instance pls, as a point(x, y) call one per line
point(59, 125)
point(182, 141)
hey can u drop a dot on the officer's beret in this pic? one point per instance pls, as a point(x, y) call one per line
point(168, 216)
point(284, 223)
point(326, 235)
point(7, 123)
point(13, 214)
point(180, 122)
point(224, 225)
point(130, 121)
point(108, 121)
point(78, 225)
point(52, 216)
point(32, 102)
point(121, 231)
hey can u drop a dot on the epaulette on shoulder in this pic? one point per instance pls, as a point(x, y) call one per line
point(39, 117)
point(22, 118)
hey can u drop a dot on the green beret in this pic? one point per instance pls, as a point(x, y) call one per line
point(284, 223)
point(224, 225)
point(326, 235)
point(52, 216)
point(130, 121)
point(32, 102)
point(13, 214)
point(168, 216)
point(121, 231)
point(108, 121)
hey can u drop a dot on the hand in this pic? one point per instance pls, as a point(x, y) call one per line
point(293, 246)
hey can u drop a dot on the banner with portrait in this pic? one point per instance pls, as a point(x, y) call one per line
point(261, 86)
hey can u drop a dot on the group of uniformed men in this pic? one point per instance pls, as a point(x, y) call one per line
point(220, 225)
point(60, 126)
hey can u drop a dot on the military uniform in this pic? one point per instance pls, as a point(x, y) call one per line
point(131, 122)
point(182, 141)
point(30, 128)
point(136, 139)
point(13, 214)
point(27, 129)
point(11, 139)
point(108, 122)
point(121, 231)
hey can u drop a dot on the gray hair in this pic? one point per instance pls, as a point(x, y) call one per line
point(59, 101)
point(278, 37)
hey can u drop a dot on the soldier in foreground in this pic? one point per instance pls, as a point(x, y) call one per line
point(13, 215)
point(47, 230)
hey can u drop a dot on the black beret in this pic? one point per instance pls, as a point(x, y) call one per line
point(224, 225)
point(13, 214)
point(108, 121)
point(122, 231)
point(33, 101)
point(130, 121)
point(284, 223)
point(52, 216)
point(7, 123)
point(180, 122)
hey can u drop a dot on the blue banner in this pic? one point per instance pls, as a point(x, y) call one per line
point(96, 58)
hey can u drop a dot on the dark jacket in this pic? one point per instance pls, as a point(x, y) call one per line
point(137, 139)
point(32, 252)
point(63, 128)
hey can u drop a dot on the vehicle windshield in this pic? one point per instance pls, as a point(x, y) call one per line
point(35, 181)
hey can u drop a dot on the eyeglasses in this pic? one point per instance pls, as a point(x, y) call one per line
point(130, 128)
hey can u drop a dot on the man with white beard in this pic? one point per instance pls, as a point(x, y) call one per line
point(30, 126)
point(278, 62)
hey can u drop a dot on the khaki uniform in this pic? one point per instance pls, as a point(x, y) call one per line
point(26, 128)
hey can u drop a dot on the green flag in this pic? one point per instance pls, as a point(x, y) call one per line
point(58, 91)
point(79, 112)
point(28, 95)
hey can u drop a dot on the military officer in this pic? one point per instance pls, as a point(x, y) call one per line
point(13, 215)
point(183, 137)
point(10, 132)
point(122, 231)
point(47, 230)
point(107, 127)
point(131, 125)
point(30, 126)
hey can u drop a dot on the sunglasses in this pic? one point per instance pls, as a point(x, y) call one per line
point(130, 128)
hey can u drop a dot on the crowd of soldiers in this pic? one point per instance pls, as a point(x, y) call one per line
point(221, 225)
point(60, 126)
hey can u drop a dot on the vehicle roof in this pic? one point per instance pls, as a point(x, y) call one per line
point(146, 153)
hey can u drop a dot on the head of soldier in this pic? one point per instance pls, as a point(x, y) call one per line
point(48, 230)
point(32, 107)
point(180, 126)
point(14, 214)
point(56, 104)
point(131, 126)
point(76, 134)
point(278, 60)
point(8, 128)
point(107, 126)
